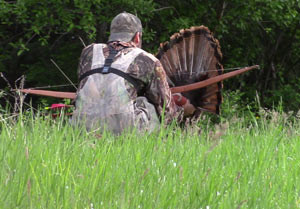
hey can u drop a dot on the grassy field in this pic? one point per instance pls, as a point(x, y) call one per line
point(237, 163)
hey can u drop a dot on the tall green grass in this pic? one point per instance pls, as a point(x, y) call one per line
point(240, 162)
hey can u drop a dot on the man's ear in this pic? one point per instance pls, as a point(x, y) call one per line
point(137, 38)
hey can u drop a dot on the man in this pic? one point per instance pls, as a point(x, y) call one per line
point(122, 86)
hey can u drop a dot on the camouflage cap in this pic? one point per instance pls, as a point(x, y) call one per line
point(124, 26)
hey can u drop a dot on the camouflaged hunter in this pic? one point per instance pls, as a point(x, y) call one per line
point(123, 87)
point(110, 101)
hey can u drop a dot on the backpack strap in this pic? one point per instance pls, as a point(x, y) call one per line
point(109, 60)
point(139, 85)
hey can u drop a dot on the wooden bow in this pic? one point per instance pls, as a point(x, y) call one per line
point(178, 89)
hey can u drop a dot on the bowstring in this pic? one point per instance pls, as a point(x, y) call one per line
point(178, 73)
point(63, 74)
point(204, 72)
point(233, 68)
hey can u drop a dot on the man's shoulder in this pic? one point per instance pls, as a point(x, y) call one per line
point(146, 55)
point(144, 65)
point(87, 52)
point(91, 46)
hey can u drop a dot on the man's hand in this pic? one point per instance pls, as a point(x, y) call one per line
point(182, 101)
point(189, 109)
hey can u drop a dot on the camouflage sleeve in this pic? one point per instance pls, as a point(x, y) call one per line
point(160, 95)
point(85, 63)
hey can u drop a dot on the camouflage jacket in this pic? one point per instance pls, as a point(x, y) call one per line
point(146, 68)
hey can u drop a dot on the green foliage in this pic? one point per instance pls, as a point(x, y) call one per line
point(264, 32)
point(35, 31)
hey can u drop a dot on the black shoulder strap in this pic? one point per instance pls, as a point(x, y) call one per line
point(136, 83)
point(139, 85)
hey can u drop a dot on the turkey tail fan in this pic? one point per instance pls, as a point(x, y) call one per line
point(194, 55)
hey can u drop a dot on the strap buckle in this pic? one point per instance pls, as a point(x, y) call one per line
point(105, 70)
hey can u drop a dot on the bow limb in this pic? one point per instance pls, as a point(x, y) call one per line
point(56, 94)
point(210, 81)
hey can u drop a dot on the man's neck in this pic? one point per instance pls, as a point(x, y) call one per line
point(117, 44)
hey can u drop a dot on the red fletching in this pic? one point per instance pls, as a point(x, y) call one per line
point(179, 99)
point(58, 106)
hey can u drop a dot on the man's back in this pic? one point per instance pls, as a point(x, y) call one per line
point(110, 100)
